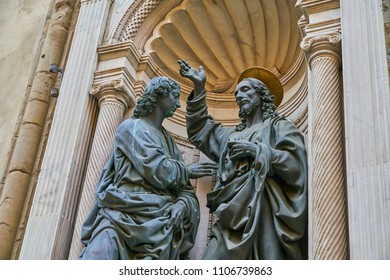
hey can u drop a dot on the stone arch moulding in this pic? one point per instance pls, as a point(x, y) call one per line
point(221, 40)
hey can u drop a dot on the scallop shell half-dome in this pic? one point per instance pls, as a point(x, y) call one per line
point(226, 37)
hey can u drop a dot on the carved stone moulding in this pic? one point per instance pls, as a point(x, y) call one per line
point(214, 34)
point(112, 90)
point(322, 45)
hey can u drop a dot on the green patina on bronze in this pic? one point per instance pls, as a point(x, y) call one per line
point(260, 197)
point(146, 207)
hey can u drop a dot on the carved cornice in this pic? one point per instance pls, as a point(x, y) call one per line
point(320, 26)
point(118, 50)
point(302, 23)
point(310, 24)
point(119, 62)
point(315, 6)
point(112, 91)
point(141, 65)
point(322, 45)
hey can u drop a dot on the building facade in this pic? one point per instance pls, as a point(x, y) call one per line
point(82, 64)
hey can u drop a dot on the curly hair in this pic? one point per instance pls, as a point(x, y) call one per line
point(267, 102)
point(158, 87)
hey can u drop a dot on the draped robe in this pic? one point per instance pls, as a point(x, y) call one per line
point(143, 177)
point(261, 202)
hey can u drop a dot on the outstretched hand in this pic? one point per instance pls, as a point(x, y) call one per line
point(202, 169)
point(198, 77)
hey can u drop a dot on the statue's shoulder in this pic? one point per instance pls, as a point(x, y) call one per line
point(133, 122)
point(129, 125)
point(281, 121)
point(280, 118)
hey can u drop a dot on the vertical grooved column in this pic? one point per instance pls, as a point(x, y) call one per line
point(327, 149)
point(113, 102)
point(367, 129)
point(50, 225)
point(22, 161)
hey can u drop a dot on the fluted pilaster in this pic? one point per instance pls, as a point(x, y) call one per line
point(48, 233)
point(113, 102)
point(367, 129)
point(327, 173)
point(22, 160)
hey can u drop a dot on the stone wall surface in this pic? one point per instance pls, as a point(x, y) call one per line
point(21, 26)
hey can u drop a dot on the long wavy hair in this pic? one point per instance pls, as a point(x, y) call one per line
point(267, 102)
point(158, 87)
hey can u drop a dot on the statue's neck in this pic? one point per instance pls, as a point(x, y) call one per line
point(254, 118)
point(155, 119)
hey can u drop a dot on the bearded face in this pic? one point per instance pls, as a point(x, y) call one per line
point(247, 108)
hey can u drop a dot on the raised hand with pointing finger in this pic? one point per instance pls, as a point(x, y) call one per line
point(198, 77)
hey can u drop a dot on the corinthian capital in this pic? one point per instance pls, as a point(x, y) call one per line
point(322, 45)
point(112, 91)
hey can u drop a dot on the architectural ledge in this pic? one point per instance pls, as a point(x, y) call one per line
point(310, 7)
point(319, 16)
